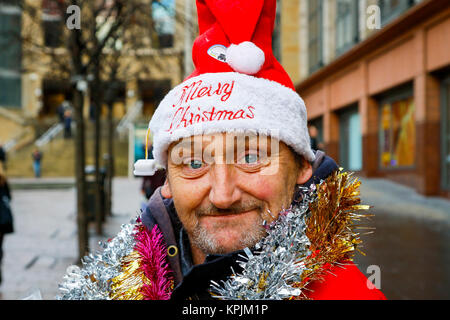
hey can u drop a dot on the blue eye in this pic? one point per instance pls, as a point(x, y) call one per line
point(195, 164)
point(251, 158)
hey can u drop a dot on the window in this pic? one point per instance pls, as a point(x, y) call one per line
point(10, 93)
point(315, 56)
point(391, 9)
point(52, 33)
point(350, 139)
point(152, 92)
point(347, 33)
point(10, 27)
point(276, 36)
point(10, 56)
point(397, 132)
point(52, 23)
point(163, 15)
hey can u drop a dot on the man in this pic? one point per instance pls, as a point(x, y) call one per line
point(242, 184)
point(316, 144)
point(36, 155)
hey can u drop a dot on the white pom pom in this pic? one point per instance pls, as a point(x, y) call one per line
point(145, 167)
point(245, 57)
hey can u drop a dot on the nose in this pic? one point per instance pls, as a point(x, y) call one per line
point(224, 191)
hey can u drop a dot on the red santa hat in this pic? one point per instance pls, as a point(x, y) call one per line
point(237, 84)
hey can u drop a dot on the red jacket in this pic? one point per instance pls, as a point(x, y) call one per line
point(346, 283)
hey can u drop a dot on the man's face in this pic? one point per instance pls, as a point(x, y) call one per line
point(224, 188)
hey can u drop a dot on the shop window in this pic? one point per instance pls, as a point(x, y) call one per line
point(163, 15)
point(347, 33)
point(397, 132)
point(315, 30)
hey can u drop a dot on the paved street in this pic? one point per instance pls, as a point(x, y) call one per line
point(411, 243)
point(45, 240)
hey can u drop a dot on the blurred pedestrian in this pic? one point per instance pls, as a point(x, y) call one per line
point(313, 137)
point(151, 183)
point(316, 144)
point(60, 111)
point(6, 219)
point(67, 123)
point(37, 158)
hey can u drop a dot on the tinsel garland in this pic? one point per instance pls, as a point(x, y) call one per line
point(333, 222)
point(145, 272)
point(93, 280)
point(318, 231)
point(312, 235)
point(132, 266)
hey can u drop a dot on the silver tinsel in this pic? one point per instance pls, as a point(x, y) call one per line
point(277, 261)
point(93, 280)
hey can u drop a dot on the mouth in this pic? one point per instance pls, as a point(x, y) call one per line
point(229, 215)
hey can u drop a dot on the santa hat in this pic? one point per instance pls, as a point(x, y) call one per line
point(237, 84)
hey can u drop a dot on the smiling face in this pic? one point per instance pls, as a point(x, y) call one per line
point(224, 188)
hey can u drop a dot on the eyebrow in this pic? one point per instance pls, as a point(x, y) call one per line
point(186, 145)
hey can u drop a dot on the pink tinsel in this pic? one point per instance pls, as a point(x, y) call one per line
point(150, 246)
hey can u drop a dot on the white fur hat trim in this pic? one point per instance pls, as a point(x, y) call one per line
point(230, 101)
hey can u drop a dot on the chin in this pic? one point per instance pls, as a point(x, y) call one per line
point(221, 241)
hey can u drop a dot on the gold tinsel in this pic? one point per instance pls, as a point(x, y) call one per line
point(127, 285)
point(331, 225)
point(145, 274)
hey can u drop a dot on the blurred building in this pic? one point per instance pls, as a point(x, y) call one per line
point(375, 76)
point(32, 86)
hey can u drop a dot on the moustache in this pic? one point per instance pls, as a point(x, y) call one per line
point(212, 210)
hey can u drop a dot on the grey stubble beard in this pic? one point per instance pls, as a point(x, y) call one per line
point(208, 244)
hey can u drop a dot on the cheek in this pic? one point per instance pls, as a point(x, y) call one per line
point(262, 187)
point(187, 196)
point(276, 190)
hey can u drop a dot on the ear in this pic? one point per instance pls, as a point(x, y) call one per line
point(305, 172)
point(165, 190)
